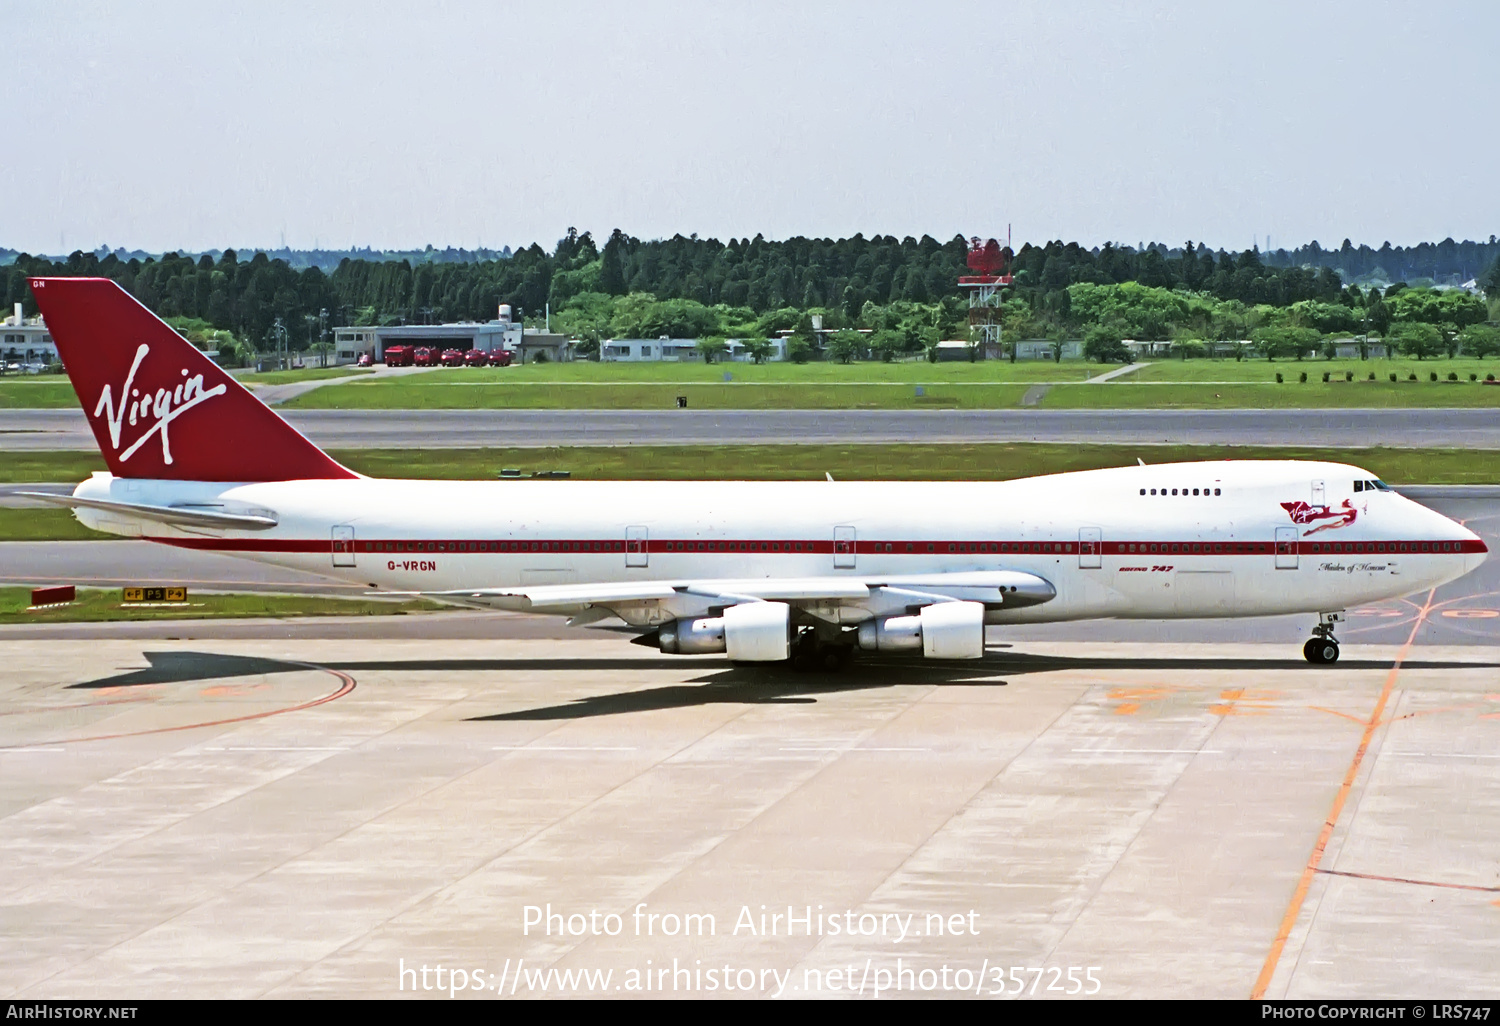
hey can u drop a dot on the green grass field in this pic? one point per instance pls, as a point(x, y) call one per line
point(36, 392)
point(583, 372)
point(423, 392)
point(1204, 395)
point(995, 384)
point(1265, 371)
point(990, 462)
point(97, 604)
point(31, 467)
point(33, 523)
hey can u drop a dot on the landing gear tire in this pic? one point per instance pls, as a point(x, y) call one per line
point(1321, 651)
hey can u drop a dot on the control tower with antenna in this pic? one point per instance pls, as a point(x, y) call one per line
point(991, 273)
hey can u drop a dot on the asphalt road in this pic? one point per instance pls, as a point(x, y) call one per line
point(34, 430)
point(1466, 612)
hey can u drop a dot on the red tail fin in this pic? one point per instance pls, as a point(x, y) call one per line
point(159, 407)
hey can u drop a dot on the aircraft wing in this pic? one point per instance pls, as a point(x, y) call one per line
point(179, 516)
point(878, 595)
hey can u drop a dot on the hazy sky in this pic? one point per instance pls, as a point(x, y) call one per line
point(200, 125)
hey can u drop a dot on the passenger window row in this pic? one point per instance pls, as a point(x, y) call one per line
point(1184, 491)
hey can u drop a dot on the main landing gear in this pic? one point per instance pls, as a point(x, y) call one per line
point(829, 653)
point(1323, 648)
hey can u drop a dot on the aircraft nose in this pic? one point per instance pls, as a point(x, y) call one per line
point(1475, 551)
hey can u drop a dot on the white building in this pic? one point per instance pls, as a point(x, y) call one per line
point(25, 345)
point(682, 350)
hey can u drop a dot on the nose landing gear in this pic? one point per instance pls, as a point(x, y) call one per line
point(1323, 648)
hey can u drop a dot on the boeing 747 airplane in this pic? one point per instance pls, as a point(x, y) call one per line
point(760, 571)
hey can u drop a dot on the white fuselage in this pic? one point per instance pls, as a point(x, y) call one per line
point(1216, 539)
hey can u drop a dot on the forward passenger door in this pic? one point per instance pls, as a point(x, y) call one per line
point(637, 546)
point(843, 548)
point(1090, 548)
point(1286, 548)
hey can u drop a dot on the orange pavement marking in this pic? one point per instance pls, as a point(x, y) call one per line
point(1289, 921)
point(1335, 712)
point(347, 684)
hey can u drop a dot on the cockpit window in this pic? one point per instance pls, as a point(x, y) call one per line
point(1371, 486)
point(1381, 485)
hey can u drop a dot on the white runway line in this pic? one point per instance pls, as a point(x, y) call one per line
point(562, 748)
point(270, 748)
point(1147, 751)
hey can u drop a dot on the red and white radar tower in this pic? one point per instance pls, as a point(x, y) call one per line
point(991, 266)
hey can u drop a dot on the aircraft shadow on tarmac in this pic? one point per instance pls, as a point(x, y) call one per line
point(758, 686)
point(738, 684)
point(181, 667)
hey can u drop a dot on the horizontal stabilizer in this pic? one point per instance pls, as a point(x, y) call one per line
point(178, 516)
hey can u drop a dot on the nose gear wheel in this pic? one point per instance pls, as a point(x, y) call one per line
point(1322, 648)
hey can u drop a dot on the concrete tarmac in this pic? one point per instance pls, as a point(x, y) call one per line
point(33, 430)
point(338, 818)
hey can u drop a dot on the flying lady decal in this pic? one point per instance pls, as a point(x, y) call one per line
point(1303, 513)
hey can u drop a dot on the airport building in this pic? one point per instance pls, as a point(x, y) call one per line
point(503, 333)
point(684, 350)
point(26, 345)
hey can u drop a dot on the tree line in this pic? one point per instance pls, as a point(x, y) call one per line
point(903, 294)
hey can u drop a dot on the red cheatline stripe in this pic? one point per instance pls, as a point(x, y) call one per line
point(793, 545)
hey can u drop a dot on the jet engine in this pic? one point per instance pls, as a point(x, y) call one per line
point(943, 630)
point(751, 632)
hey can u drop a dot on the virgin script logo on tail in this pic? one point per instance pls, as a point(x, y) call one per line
point(157, 409)
point(1307, 513)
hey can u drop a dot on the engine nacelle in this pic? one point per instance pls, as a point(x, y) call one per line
point(943, 630)
point(751, 632)
point(702, 636)
point(758, 632)
point(893, 634)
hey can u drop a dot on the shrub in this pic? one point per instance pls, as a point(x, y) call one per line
point(1303, 378)
point(1473, 376)
point(1489, 377)
point(1412, 376)
point(1103, 345)
point(1393, 375)
point(1372, 375)
point(1432, 375)
point(1348, 375)
point(1325, 377)
point(1452, 376)
point(1278, 377)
